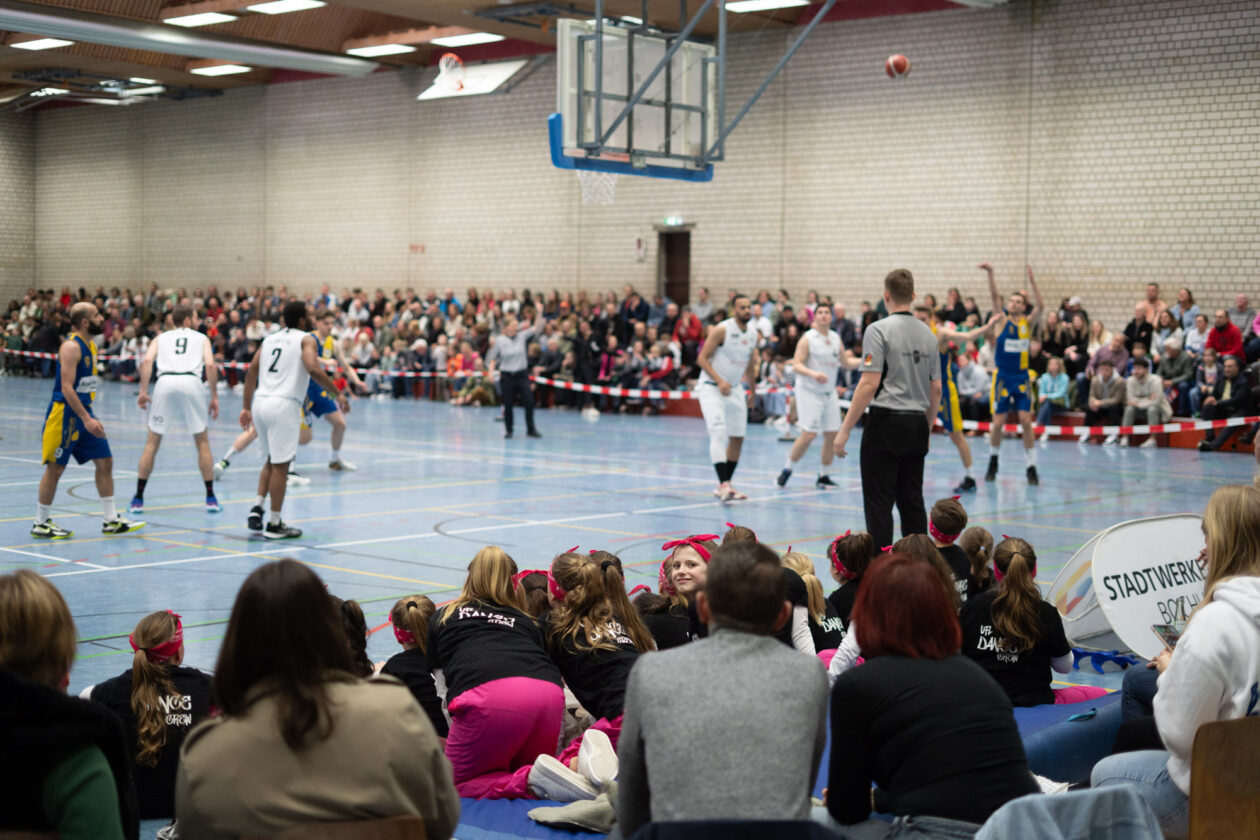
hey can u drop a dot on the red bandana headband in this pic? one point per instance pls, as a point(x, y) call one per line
point(997, 573)
point(940, 536)
point(160, 653)
point(556, 591)
point(733, 525)
point(694, 541)
point(836, 565)
point(402, 634)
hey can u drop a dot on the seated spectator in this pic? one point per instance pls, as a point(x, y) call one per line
point(301, 739)
point(1153, 304)
point(1105, 400)
point(850, 555)
point(1225, 338)
point(665, 614)
point(410, 620)
point(1052, 393)
point(1037, 358)
point(1196, 335)
point(1177, 374)
point(977, 544)
point(158, 701)
point(1206, 373)
point(946, 522)
point(1099, 337)
point(1140, 328)
point(1051, 334)
point(1241, 315)
point(972, 381)
point(1144, 401)
point(1231, 397)
point(1167, 328)
point(354, 625)
point(681, 757)
point(1139, 351)
point(1185, 310)
point(825, 627)
point(65, 769)
point(929, 728)
point(1211, 675)
point(1114, 353)
point(1075, 341)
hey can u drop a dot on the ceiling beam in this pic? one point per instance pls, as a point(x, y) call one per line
point(411, 36)
point(202, 7)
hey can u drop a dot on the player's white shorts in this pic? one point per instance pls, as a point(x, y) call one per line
point(178, 400)
point(723, 416)
point(817, 412)
point(278, 421)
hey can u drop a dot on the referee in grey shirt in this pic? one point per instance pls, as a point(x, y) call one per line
point(512, 360)
point(901, 382)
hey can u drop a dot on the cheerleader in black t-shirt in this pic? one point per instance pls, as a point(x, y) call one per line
point(824, 622)
point(850, 555)
point(946, 522)
point(410, 619)
point(159, 702)
point(795, 633)
point(665, 615)
point(503, 691)
point(1016, 636)
point(977, 543)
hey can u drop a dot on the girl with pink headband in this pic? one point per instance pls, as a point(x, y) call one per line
point(680, 576)
point(946, 523)
point(849, 555)
point(503, 692)
point(159, 701)
point(1016, 636)
point(410, 620)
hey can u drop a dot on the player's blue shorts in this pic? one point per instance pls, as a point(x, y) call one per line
point(317, 403)
point(64, 436)
point(1010, 391)
point(950, 412)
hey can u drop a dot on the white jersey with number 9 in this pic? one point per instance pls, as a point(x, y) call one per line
point(281, 372)
point(181, 351)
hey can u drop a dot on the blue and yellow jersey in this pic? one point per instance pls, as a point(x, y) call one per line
point(1010, 351)
point(327, 346)
point(85, 380)
point(947, 364)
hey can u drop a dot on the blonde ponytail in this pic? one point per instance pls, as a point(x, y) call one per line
point(803, 566)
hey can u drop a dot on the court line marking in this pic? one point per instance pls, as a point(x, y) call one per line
point(265, 553)
point(54, 559)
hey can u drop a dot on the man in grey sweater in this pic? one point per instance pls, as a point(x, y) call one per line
point(731, 726)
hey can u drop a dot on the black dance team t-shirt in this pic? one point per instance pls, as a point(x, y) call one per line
point(1023, 675)
point(482, 642)
point(412, 668)
point(960, 565)
point(597, 677)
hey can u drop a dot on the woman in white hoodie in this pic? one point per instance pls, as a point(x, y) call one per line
point(1214, 673)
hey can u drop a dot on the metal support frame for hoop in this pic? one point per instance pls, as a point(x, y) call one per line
point(702, 165)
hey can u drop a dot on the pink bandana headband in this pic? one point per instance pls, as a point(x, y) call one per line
point(939, 535)
point(160, 653)
point(997, 573)
point(695, 541)
point(402, 634)
point(836, 565)
point(552, 586)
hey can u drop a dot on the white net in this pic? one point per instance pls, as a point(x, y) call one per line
point(597, 187)
point(450, 73)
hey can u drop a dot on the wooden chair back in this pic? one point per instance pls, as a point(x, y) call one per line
point(1225, 780)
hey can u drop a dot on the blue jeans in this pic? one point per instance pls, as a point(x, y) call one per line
point(1148, 771)
point(1046, 411)
point(901, 828)
point(1137, 692)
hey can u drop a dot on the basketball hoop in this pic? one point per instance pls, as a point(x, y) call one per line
point(450, 72)
point(597, 187)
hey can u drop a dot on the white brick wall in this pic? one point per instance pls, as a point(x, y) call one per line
point(1105, 143)
point(17, 205)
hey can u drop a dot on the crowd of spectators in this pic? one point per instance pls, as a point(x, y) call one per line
point(1170, 359)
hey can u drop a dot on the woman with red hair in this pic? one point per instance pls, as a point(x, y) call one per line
point(933, 732)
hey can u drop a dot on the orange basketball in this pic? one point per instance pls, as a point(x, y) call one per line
point(897, 66)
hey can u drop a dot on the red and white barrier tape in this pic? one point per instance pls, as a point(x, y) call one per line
point(652, 394)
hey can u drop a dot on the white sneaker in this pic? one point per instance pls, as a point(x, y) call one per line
point(1149, 443)
point(341, 466)
point(296, 480)
point(549, 779)
point(1124, 440)
point(1050, 786)
point(1110, 440)
point(597, 760)
point(1045, 436)
point(1084, 438)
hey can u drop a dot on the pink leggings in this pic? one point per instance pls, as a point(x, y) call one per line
point(611, 728)
point(1077, 694)
point(497, 730)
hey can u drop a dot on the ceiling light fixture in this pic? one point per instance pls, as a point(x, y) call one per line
point(136, 80)
point(202, 19)
point(469, 40)
point(49, 91)
point(42, 44)
point(377, 50)
point(220, 70)
point(763, 5)
point(280, 7)
point(142, 91)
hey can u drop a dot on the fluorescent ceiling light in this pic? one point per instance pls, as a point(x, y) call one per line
point(142, 91)
point(42, 44)
point(98, 101)
point(631, 19)
point(478, 79)
point(468, 40)
point(136, 80)
point(381, 49)
point(763, 5)
point(203, 19)
point(220, 70)
point(280, 7)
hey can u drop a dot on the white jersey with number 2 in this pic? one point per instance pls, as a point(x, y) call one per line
point(181, 351)
point(281, 372)
point(730, 360)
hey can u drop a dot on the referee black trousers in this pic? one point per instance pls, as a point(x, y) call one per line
point(512, 385)
point(893, 450)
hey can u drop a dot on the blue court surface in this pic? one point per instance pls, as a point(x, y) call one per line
point(437, 482)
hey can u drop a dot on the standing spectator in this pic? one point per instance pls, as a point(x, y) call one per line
point(1185, 309)
point(1230, 398)
point(1242, 315)
point(1144, 401)
point(1177, 373)
point(1140, 328)
point(1154, 305)
point(1196, 335)
point(1225, 337)
point(509, 354)
point(681, 759)
point(702, 308)
point(1105, 401)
